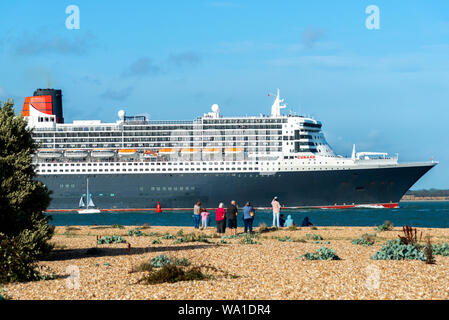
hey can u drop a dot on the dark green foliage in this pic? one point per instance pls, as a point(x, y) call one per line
point(396, 250)
point(386, 226)
point(171, 273)
point(24, 228)
point(117, 226)
point(135, 233)
point(285, 239)
point(322, 253)
point(249, 239)
point(312, 236)
point(168, 236)
point(156, 241)
point(111, 239)
point(194, 237)
point(365, 240)
point(441, 249)
point(183, 262)
point(160, 261)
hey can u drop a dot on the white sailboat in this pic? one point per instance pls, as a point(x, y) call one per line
point(90, 203)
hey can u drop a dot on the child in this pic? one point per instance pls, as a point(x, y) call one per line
point(204, 216)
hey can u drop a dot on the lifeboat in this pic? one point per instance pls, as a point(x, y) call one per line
point(150, 154)
point(49, 154)
point(127, 152)
point(75, 154)
point(102, 153)
point(233, 150)
point(211, 150)
point(168, 151)
point(189, 151)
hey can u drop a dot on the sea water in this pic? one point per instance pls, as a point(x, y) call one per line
point(416, 214)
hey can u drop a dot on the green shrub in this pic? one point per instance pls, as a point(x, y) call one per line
point(135, 233)
point(171, 273)
point(312, 236)
point(322, 253)
point(156, 241)
point(168, 236)
point(160, 261)
point(285, 239)
point(386, 226)
point(179, 233)
point(194, 237)
point(111, 239)
point(396, 250)
point(154, 234)
point(365, 240)
point(248, 239)
point(117, 226)
point(183, 262)
point(441, 249)
point(292, 227)
point(24, 226)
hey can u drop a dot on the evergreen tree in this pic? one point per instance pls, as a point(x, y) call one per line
point(24, 228)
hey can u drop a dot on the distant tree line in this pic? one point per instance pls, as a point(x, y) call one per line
point(429, 193)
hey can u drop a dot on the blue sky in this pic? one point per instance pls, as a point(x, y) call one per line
point(384, 90)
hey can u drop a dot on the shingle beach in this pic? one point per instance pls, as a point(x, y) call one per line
point(267, 270)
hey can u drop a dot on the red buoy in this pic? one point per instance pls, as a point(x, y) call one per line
point(158, 208)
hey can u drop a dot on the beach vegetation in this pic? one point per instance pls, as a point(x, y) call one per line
point(365, 240)
point(156, 241)
point(396, 250)
point(117, 226)
point(249, 239)
point(292, 227)
point(168, 236)
point(24, 226)
point(322, 253)
point(313, 236)
point(285, 239)
point(172, 273)
point(428, 251)
point(111, 239)
point(410, 235)
point(386, 226)
point(441, 249)
point(135, 233)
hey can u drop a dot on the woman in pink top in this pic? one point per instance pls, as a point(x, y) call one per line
point(204, 216)
point(220, 218)
point(276, 211)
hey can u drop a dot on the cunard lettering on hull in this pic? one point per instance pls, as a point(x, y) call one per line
point(135, 162)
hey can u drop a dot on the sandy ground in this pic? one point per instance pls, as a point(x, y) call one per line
point(269, 270)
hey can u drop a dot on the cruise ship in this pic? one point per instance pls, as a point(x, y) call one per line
point(135, 162)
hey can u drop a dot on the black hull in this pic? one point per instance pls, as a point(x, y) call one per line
point(295, 189)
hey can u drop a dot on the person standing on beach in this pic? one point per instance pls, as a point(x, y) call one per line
point(276, 211)
point(197, 214)
point(220, 218)
point(232, 217)
point(248, 217)
point(204, 217)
